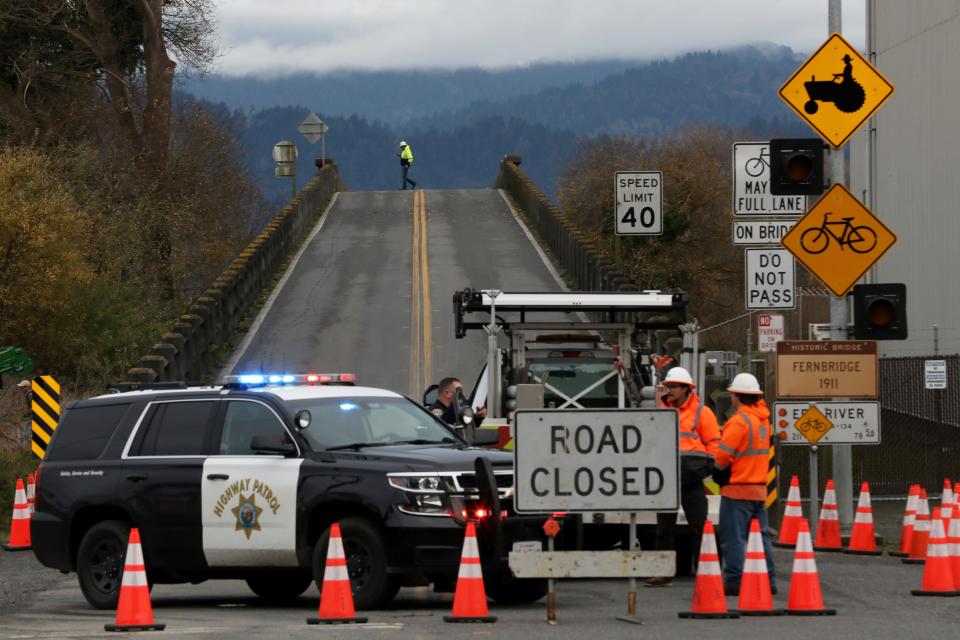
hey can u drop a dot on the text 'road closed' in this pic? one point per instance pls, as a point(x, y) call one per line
point(621, 460)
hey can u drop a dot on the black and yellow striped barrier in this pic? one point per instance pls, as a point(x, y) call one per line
point(45, 407)
point(772, 476)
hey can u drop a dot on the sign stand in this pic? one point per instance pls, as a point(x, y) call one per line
point(551, 585)
point(632, 588)
point(814, 490)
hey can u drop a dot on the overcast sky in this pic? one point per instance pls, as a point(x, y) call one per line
point(269, 37)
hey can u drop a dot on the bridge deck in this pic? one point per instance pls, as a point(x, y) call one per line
point(364, 280)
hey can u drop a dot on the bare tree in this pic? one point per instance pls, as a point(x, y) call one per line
point(128, 49)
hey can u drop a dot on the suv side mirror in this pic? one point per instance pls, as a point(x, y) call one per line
point(430, 395)
point(273, 444)
point(484, 437)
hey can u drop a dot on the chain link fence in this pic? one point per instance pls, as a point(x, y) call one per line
point(919, 430)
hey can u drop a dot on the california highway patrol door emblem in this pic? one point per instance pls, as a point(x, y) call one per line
point(248, 515)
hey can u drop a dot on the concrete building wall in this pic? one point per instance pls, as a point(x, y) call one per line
point(917, 165)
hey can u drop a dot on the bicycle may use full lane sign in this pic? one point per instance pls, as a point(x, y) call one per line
point(838, 240)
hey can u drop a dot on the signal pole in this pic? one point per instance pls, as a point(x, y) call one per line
point(839, 318)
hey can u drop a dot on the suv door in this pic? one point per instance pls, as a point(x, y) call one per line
point(250, 497)
point(160, 481)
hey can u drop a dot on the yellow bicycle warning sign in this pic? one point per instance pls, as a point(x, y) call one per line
point(813, 425)
point(838, 240)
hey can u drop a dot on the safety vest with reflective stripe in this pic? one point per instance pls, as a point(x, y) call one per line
point(745, 446)
point(699, 430)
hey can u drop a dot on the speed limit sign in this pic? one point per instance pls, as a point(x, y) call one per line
point(639, 198)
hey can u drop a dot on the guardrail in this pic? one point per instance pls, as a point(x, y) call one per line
point(187, 350)
point(585, 266)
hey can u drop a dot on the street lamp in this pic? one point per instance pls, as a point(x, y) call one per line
point(285, 155)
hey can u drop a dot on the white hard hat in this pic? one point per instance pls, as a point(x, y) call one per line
point(678, 375)
point(745, 383)
point(403, 143)
point(23, 383)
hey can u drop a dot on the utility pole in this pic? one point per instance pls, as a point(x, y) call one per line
point(839, 318)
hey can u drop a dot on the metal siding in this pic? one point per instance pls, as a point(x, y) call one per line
point(918, 150)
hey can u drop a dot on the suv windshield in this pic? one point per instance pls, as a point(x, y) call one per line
point(571, 376)
point(370, 421)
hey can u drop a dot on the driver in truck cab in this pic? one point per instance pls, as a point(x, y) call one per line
point(451, 402)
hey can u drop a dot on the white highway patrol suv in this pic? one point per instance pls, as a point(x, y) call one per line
point(244, 480)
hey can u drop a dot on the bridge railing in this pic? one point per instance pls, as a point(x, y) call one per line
point(187, 351)
point(579, 257)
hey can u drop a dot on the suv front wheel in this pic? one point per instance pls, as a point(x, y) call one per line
point(364, 547)
point(100, 562)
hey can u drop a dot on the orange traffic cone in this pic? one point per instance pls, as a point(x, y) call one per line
point(31, 493)
point(909, 520)
point(336, 598)
point(947, 497)
point(134, 612)
point(20, 524)
point(755, 596)
point(805, 597)
point(470, 599)
point(792, 516)
point(938, 572)
point(863, 540)
point(921, 531)
point(828, 531)
point(953, 542)
point(709, 600)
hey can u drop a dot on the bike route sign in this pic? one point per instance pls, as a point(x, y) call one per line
point(639, 208)
point(838, 240)
point(834, 422)
point(751, 184)
point(836, 90)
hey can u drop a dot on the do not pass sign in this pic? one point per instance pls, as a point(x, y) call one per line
point(596, 460)
point(771, 279)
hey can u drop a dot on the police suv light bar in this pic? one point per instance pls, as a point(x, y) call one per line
point(263, 379)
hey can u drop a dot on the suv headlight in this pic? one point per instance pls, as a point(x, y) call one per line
point(417, 482)
point(426, 493)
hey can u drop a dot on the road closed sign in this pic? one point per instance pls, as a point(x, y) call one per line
point(771, 279)
point(596, 460)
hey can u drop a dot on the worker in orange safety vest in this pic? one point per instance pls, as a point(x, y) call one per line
point(699, 438)
point(742, 464)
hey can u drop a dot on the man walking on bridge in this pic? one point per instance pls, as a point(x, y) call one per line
point(406, 161)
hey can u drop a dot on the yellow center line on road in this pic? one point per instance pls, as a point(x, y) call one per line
point(426, 317)
point(421, 329)
point(416, 387)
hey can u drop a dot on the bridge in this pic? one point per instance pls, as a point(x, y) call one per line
point(362, 282)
